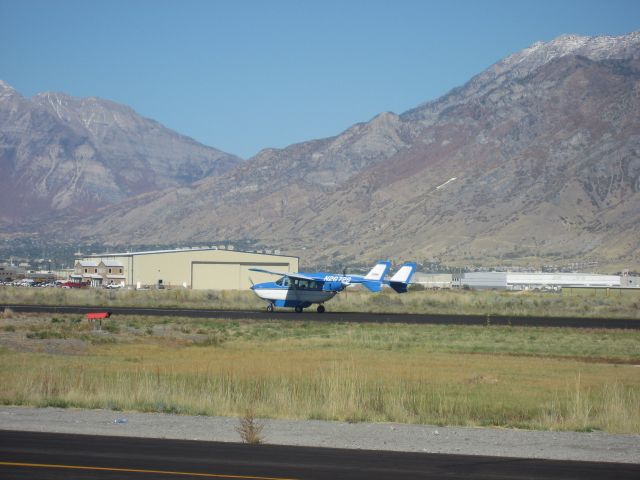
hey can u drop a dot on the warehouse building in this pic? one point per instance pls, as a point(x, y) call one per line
point(195, 268)
point(533, 281)
point(433, 280)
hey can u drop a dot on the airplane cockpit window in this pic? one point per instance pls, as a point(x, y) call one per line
point(298, 283)
point(304, 284)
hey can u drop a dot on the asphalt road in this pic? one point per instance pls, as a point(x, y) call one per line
point(573, 322)
point(37, 455)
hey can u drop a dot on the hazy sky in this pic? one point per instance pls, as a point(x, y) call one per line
point(244, 75)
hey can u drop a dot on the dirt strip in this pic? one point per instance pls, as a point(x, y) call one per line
point(593, 446)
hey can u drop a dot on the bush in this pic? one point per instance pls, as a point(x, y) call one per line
point(250, 429)
point(112, 327)
point(44, 334)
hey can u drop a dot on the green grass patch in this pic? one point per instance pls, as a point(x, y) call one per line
point(542, 378)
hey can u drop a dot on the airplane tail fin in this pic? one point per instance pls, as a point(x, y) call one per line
point(402, 278)
point(373, 279)
point(378, 271)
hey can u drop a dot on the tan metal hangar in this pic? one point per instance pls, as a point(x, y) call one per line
point(196, 268)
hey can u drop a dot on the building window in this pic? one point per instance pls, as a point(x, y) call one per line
point(109, 270)
point(95, 270)
point(120, 270)
point(86, 270)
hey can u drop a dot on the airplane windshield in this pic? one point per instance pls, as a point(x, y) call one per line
point(283, 282)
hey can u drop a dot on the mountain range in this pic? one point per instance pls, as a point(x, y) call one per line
point(535, 160)
point(66, 155)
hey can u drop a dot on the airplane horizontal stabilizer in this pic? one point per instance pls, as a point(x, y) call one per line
point(373, 286)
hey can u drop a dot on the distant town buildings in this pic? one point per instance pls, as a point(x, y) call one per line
point(99, 272)
point(9, 273)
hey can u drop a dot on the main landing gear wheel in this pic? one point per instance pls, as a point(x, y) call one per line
point(270, 307)
point(320, 308)
point(298, 309)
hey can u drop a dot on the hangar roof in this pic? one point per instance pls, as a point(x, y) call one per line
point(177, 250)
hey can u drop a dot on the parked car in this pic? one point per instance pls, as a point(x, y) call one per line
point(74, 285)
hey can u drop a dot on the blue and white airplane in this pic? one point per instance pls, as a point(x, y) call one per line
point(300, 290)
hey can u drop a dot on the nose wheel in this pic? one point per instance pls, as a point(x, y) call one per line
point(320, 309)
point(270, 307)
point(298, 309)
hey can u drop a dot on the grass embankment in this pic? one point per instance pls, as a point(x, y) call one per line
point(589, 303)
point(168, 298)
point(448, 375)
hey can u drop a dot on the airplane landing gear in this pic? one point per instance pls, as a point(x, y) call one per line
point(270, 308)
point(320, 309)
point(298, 309)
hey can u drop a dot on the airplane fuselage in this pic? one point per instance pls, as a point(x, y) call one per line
point(292, 297)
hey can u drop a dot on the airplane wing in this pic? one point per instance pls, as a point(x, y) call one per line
point(280, 274)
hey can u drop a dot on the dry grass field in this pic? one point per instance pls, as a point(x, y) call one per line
point(588, 303)
point(536, 378)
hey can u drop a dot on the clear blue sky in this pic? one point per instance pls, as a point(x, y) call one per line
point(244, 75)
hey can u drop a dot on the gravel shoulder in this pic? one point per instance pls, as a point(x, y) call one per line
point(595, 446)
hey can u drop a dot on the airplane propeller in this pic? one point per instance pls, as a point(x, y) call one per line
point(344, 274)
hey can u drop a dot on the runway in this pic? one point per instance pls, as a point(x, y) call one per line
point(573, 322)
point(29, 455)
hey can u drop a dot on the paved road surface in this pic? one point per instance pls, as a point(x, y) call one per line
point(345, 317)
point(36, 455)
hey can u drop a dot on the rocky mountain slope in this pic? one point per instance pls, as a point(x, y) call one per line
point(535, 160)
point(60, 154)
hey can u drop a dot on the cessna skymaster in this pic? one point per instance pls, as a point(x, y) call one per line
point(301, 290)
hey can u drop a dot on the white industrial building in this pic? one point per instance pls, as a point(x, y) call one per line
point(533, 281)
point(433, 280)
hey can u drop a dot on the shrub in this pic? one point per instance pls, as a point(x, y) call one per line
point(250, 429)
point(112, 327)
